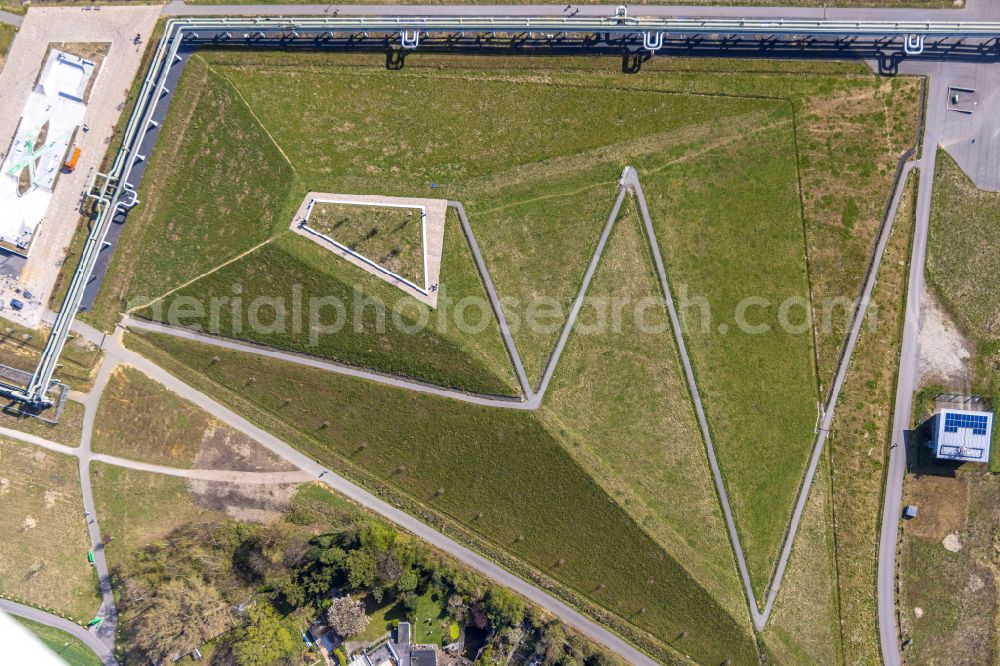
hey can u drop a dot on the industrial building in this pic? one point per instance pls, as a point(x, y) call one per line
point(962, 435)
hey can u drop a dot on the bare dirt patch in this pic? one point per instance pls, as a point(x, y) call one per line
point(222, 448)
point(944, 351)
point(943, 503)
point(249, 503)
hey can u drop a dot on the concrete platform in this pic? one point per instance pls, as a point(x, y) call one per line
point(434, 211)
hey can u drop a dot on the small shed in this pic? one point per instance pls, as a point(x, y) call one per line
point(963, 435)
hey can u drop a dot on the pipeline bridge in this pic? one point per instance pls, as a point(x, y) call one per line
point(113, 194)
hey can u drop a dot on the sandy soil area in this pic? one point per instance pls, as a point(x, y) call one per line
point(944, 352)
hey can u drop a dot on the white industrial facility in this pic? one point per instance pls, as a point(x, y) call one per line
point(53, 112)
point(962, 435)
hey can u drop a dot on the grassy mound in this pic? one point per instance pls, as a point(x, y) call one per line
point(500, 472)
point(740, 286)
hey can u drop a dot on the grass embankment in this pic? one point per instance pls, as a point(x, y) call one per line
point(555, 148)
point(961, 262)
point(364, 321)
point(499, 472)
point(860, 439)
point(752, 356)
point(391, 237)
point(231, 193)
point(44, 559)
point(438, 141)
point(71, 650)
point(141, 420)
point(619, 404)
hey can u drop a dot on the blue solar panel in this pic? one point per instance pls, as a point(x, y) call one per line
point(975, 422)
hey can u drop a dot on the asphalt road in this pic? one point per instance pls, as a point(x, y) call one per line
point(906, 384)
point(975, 10)
point(71, 628)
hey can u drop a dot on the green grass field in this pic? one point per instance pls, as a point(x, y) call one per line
point(358, 334)
point(44, 559)
point(68, 648)
point(617, 391)
point(755, 368)
point(793, 160)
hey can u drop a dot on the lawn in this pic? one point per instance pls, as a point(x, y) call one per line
point(752, 355)
point(500, 472)
point(429, 619)
point(44, 559)
point(391, 237)
point(68, 648)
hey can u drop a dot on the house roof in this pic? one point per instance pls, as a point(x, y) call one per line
point(423, 657)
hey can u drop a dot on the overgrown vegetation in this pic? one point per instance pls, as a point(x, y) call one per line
point(249, 590)
point(21, 347)
point(860, 438)
point(67, 431)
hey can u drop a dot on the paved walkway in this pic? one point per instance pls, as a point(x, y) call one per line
point(906, 379)
point(89, 638)
point(11, 19)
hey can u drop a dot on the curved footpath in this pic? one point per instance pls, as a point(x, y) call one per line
point(76, 631)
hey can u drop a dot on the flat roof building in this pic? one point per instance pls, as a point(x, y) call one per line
point(963, 435)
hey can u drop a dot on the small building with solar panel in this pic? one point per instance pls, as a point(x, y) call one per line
point(962, 435)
